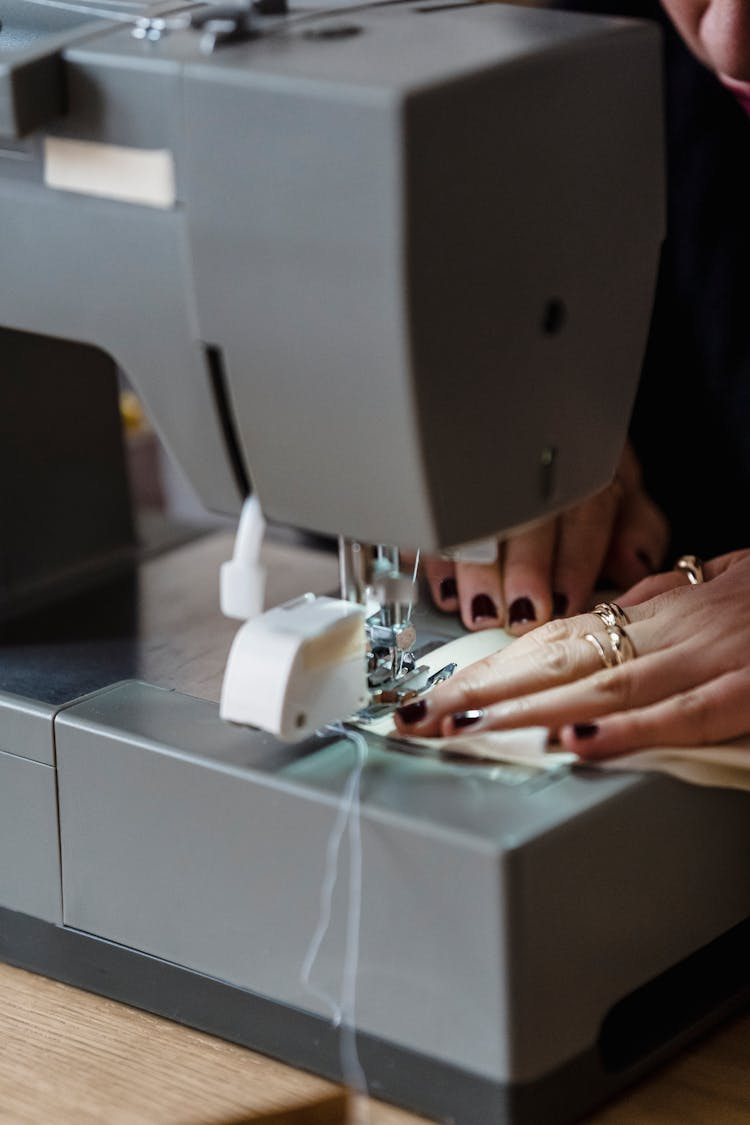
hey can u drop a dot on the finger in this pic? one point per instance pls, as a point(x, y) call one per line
point(722, 563)
point(441, 578)
point(527, 574)
point(709, 713)
point(495, 678)
point(584, 535)
point(639, 542)
point(675, 579)
point(480, 595)
point(651, 588)
point(554, 654)
point(635, 684)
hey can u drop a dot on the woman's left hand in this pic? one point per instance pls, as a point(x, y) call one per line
point(688, 685)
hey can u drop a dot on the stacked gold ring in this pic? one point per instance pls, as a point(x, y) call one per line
point(621, 645)
point(611, 614)
point(692, 568)
point(620, 650)
point(606, 656)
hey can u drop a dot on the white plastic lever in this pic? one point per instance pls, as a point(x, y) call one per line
point(243, 579)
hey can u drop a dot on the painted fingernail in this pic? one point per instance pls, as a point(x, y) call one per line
point(560, 603)
point(448, 589)
point(412, 712)
point(482, 607)
point(644, 558)
point(467, 718)
point(521, 611)
point(585, 730)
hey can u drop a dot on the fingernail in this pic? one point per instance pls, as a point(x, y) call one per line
point(646, 560)
point(521, 611)
point(448, 589)
point(560, 603)
point(412, 712)
point(482, 607)
point(585, 730)
point(467, 718)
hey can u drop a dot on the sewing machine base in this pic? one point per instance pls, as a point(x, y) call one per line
point(191, 862)
point(530, 942)
point(395, 1074)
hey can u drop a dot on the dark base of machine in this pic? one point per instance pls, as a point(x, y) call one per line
point(637, 1035)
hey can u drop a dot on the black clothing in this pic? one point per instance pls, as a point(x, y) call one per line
point(691, 424)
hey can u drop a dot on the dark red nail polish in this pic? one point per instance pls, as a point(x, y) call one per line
point(448, 588)
point(412, 712)
point(560, 603)
point(585, 730)
point(467, 718)
point(521, 611)
point(482, 607)
point(645, 558)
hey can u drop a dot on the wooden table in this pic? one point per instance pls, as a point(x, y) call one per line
point(70, 1058)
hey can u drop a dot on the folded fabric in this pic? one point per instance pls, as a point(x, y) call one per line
point(726, 765)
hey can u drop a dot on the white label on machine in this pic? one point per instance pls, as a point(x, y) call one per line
point(132, 175)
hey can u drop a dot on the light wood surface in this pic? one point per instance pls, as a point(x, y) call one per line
point(69, 1058)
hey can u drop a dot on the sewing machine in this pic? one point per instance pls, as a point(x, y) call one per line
point(390, 263)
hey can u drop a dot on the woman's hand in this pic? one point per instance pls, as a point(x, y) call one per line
point(551, 570)
point(688, 685)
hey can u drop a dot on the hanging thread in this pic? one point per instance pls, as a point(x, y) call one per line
point(343, 1011)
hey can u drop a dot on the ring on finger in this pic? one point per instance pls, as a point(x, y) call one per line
point(621, 645)
point(611, 614)
point(605, 654)
point(618, 649)
point(692, 567)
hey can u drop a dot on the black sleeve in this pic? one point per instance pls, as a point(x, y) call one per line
point(691, 424)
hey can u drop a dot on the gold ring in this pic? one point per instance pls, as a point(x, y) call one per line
point(607, 657)
point(622, 647)
point(611, 614)
point(692, 567)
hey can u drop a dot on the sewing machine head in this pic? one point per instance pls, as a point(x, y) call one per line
point(395, 267)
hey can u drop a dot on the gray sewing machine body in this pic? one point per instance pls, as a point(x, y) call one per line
point(400, 274)
point(529, 943)
point(414, 256)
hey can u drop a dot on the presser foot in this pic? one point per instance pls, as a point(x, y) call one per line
point(412, 683)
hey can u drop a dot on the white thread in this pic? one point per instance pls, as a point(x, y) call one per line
point(330, 876)
point(343, 1014)
point(350, 1064)
point(414, 575)
point(92, 10)
point(149, 9)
